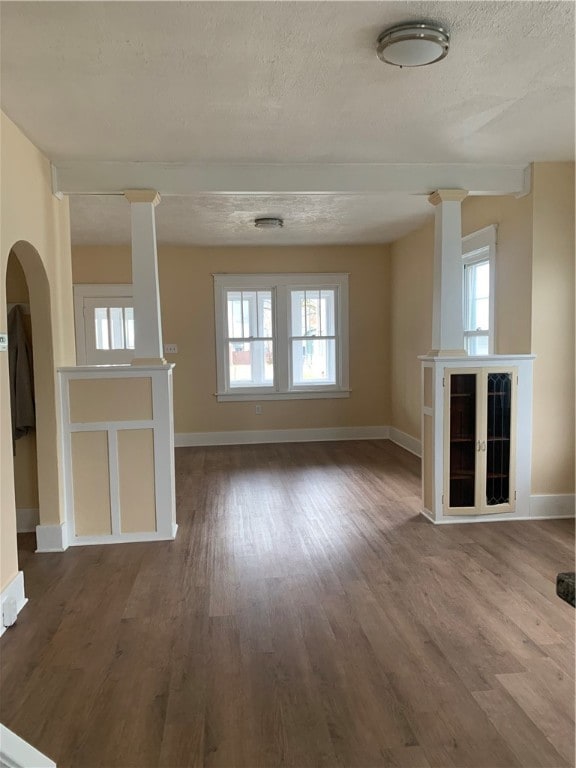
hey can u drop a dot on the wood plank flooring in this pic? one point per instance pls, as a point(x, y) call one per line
point(305, 616)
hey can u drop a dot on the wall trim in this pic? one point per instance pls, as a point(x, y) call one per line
point(557, 505)
point(124, 538)
point(406, 441)
point(27, 520)
point(52, 538)
point(17, 753)
point(14, 590)
point(248, 437)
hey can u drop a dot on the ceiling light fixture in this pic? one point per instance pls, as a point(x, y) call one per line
point(413, 45)
point(269, 222)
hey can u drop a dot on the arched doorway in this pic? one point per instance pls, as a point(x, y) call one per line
point(19, 325)
point(47, 447)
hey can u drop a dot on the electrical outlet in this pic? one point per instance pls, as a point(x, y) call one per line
point(258, 410)
point(170, 349)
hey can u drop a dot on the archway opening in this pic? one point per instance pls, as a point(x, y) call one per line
point(22, 402)
point(28, 271)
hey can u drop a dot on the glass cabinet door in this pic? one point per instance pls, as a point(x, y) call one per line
point(498, 433)
point(462, 437)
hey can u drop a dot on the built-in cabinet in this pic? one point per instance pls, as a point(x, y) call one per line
point(476, 428)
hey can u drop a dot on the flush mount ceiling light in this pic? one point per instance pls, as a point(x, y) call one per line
point(269, 222)
point(413, 45)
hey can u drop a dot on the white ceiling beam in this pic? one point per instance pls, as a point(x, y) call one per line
point(181, 179)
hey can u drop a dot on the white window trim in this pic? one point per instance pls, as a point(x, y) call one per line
point(92, 291)
point(473, 250)
point(280, 284)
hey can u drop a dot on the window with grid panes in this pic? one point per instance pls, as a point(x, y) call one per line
point(281, 336)
point(104, 324)
point(478, 259)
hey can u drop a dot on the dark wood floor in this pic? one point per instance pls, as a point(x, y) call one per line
point(305, 616)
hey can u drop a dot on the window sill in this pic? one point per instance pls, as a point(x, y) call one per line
point(309, 394)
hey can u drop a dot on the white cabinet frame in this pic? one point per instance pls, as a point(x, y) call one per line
point(434, 373)
point(481, 441)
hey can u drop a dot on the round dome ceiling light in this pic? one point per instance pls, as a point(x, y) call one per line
point(413, 45)
point(269, 222)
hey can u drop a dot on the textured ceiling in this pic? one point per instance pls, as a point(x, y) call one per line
point(285, 82)
point(229, 219)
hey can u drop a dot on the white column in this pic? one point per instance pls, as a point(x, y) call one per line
point(447, 310)
point(147, 322)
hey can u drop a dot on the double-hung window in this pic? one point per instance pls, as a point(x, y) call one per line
point(249, 340)
point(281, 336)
point(104, 323)
point(478, 259)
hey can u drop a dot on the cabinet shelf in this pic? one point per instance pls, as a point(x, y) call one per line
point(462, 439)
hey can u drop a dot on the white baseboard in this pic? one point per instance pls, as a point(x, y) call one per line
point(51, 538)
point(510, 517)
point(13, 591)
point(554, 505)
point(550, 507)
point(122, 538)
point(189, 439)
point(408, 442)
point(17, 753)
point(27, 520)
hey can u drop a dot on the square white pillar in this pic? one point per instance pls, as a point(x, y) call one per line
point(447, 311)
point(147, 320)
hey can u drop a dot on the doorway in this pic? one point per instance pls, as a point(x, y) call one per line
point(19, 320)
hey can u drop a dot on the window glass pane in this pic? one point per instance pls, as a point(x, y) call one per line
point(297, 307)
point(117, 327)
point(477, 298)
point(237, 315)
point(477, 345)
point(328, 312)
point(251, 363)
point(312, 312)
point(249, 314)
point(264, 302)
point(129, 327)
point(101, 326)
point(313, 361)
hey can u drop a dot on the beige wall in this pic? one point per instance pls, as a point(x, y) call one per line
point(513, 216)
point(411, 306)
point(136, 480)
point(36, 224)
point(553, 328)
point(91, 483)
point(113, 399)
point(16, 285)
point(411, 274)
point(25, 466)
point(187, 296)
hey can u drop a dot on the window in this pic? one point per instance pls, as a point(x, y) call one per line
point(281, 336)
point(104, 320)
point(249, 341)
point(478, 256)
